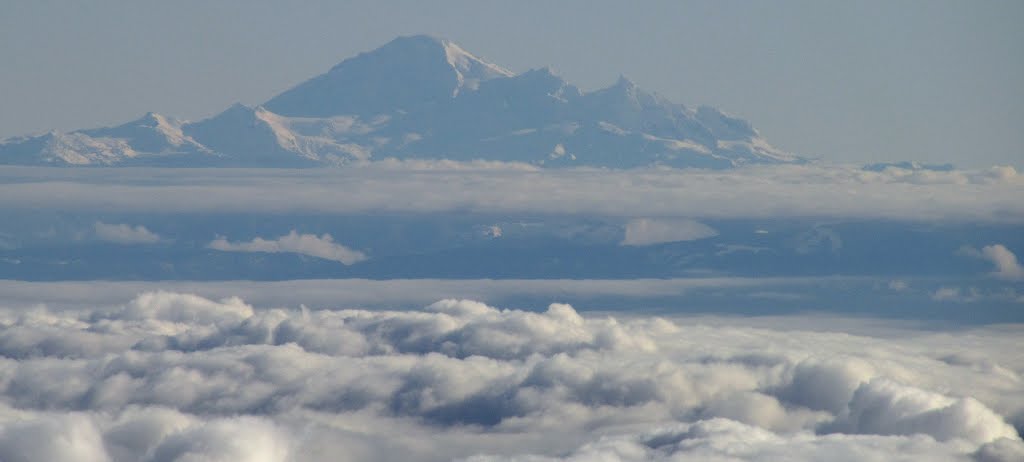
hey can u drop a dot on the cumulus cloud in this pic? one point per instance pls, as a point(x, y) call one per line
point(124, 234)
point(1006, 265)
point(176, 376)
point(883, 407)
point(645, 231)
point(306, 244)
point(753, 191)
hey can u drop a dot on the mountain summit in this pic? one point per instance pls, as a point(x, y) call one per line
point(409, 73)
point(427, 98)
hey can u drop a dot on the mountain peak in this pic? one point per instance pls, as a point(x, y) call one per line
point(154, 120)
point(238, 108)
point(455, 55)
point(406, 73)
point(624, 82)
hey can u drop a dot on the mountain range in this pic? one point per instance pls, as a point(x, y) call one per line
point(421, 97)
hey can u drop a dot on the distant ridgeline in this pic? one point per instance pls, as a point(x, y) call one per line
point(421, 98)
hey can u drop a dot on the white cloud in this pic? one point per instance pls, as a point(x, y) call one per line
point(173, 376)
point(125, 234)
point(1006, 265)
point(645, 231)
point(293, 242)
point(883, 407)
point(558, 152)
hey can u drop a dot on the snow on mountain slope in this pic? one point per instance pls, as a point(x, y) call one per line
point(150, 133)
point(82, 149)
point(470, 70)
point(158, 140)
point(255, 136)
point(55, 148)
point(152, 139)
point(426, 98)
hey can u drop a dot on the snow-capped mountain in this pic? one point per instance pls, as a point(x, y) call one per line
point(425, 98)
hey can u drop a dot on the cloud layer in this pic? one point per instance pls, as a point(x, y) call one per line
point(991, 195)
point(174, 376)
point(293, 242)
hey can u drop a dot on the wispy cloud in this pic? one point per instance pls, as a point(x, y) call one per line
point(898, 285)
point(125, 234)
point(975, 295)
point(305, 244)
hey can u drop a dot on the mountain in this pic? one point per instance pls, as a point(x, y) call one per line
point(407, 74)
point(422, 97)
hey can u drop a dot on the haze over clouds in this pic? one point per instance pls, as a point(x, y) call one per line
point(293, 242)
point(990, 195)
point(125, 234)
point(391, 292)
point(172, 376)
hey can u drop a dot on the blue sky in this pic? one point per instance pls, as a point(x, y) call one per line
point(933, 81)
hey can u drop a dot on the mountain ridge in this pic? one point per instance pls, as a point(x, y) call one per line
point(422, 97)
